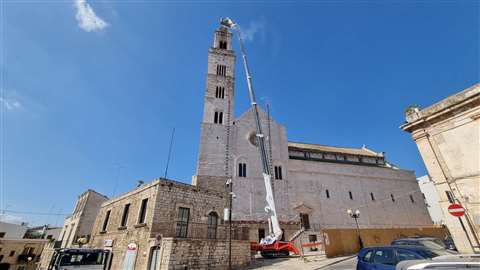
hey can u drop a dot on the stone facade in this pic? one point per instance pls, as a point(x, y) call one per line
point(447, 135)
point(80, 223)
point(303, 173)
point(161, 226)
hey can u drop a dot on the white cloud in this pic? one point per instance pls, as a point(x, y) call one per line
point(10, 103)
point(86, 17)
point(11, 219)
point(249, 33)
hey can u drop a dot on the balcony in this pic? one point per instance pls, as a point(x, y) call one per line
point(23, 258)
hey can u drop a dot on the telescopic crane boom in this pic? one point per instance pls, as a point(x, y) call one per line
point(271, 241)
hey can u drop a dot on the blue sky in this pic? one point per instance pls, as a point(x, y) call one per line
point(91, 90)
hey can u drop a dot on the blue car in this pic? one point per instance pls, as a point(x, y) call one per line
point(386, 258)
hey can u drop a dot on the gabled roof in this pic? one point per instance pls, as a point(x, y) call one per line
point(363, 151)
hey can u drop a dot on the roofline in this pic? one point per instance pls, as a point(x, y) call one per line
point(379, 154)
point(415, 118)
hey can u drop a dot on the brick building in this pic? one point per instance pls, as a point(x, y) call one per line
point(80, 223)
point(77, 226)
point(448, 138)
point(17, 251)
point(169, 224)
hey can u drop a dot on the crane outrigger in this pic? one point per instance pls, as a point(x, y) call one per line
point(270, 246)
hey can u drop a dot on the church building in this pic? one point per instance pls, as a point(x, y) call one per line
point(314, 185)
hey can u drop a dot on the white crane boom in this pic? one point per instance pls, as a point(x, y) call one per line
point(275, 232)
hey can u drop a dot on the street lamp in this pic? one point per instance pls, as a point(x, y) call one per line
point(355, 215)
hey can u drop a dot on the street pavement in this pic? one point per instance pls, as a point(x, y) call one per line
point(349, 264)
point(319, 262)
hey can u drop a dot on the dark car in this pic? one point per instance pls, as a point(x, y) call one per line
point(386, 258)
point(428, 242)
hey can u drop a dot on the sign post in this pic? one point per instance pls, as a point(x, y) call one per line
point(458, 211)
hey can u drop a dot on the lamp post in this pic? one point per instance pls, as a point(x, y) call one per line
point(356, 215)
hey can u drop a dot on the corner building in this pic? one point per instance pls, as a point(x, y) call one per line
point(314, 185)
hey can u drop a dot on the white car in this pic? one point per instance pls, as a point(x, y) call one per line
point(447, 262)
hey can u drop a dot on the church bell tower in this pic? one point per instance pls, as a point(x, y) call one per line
point(214, 163)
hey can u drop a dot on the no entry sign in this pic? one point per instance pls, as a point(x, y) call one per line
point(456, 210)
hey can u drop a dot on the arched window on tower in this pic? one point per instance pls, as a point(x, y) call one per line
point(222, 45)
point(222, 70)
point(212, 225)
point(218, 118)
point(278, 172)
point(220, 92)
point(242, 169)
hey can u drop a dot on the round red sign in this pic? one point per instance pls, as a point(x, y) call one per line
point(456, 210)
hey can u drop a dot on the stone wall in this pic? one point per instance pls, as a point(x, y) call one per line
point(81, 222)
point(165, 197)
point(202, 254)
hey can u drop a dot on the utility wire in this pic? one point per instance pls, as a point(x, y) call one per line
point(33, 213)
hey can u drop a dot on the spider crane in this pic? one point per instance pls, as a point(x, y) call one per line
point(270, 246)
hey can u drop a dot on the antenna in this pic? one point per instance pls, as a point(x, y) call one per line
point(169, 152)
point(119, 167)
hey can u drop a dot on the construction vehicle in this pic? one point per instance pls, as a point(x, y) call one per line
point(270, 246)
point(80, 259)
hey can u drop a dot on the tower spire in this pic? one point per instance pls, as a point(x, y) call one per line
point(214, 161)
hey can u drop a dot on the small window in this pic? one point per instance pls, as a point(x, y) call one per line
point(304, 221)
point(450, 197)
point(392, 197)
point(105, 221)
point(1, 258)
point(261, 234)
point(220, 92)
point(12, 253)
point(278, 173)
point(182, 222)
point(126, 209)
point(212, 225)
point(242, 169)
point(411, 198)
point(221, 70)
point(222, 44)
point(218, 118)
point(350, 195)
point(327, 193)
point(372, 196)
point(2, 234)
point(143, 211)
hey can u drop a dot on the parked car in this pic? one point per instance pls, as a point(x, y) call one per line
point(428, 242)
point(386, 258)
point(463, 261)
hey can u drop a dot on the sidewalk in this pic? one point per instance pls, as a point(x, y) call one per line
point(309, 262)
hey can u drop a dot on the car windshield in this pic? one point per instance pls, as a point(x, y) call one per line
point(431, 244)
point(82, 258)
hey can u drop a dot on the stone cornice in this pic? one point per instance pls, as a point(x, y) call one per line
point(464, 100)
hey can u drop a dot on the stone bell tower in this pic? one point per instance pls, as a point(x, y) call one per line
point(214, 163)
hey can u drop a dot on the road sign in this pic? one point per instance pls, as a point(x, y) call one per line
point(456, 210)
